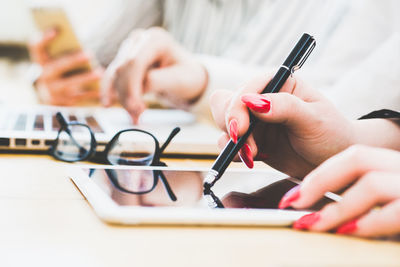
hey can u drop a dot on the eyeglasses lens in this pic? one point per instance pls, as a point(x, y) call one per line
point(74, 143)
point(132, 148)
point(134, 182)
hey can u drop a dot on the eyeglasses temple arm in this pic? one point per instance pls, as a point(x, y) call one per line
point(174, 132)
point(61, 120)
point(166, 185)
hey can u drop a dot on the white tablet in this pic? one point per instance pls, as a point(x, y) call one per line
point(163, 195)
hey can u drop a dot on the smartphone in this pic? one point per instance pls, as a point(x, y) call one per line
point(48, 17)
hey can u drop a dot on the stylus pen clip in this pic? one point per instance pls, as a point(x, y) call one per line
point(303, 58)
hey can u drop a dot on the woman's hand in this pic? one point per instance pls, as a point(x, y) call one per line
point(151, 61)
point(374, 176)
point(54, 86)
point(298, 128)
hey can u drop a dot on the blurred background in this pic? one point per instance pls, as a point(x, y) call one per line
point(356, 40)
point(17, 28)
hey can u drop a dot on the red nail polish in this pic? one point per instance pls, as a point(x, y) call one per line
point(256, 102)
point(233, 130)
point(246, 156)
point(305, 222)
point(347, 228)
point(290, 196)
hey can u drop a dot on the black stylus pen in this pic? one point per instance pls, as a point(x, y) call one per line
point(293, 62)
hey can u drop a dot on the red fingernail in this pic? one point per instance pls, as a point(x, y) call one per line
point(256, 102)
point(347, 228)
point(305, 222)
point(290, 196)
point(233, 130)
point(246, 156)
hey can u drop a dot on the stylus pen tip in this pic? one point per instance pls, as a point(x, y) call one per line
point(210, 201)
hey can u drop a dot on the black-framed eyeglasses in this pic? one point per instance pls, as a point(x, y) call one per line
point(76, 141)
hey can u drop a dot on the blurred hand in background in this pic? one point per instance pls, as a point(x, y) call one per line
point(147, 61)
point(58, 84)
point(152, 61)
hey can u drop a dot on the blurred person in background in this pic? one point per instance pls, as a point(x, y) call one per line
point(180, 51)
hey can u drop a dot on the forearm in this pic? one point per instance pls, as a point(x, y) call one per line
point(383, 133)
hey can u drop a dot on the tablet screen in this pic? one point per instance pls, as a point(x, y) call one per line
point(167, 187)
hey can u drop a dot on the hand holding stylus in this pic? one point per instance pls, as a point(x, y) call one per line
point(298, 128)
point(294, 61)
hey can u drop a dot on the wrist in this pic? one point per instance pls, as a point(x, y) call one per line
point(353, 133)
point(377, 132)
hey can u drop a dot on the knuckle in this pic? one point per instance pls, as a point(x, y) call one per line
point(289, 100)
point(372, 184)
point(355, 153)
point(331, 214)
point(285, 101)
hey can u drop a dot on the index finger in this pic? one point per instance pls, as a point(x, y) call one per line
point(141, 52)
point(342, 169)
point(219, 101)
point(239, 111)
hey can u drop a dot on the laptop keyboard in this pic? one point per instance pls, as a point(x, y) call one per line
point(20, 124)
point(38, 124)
point(48, 122)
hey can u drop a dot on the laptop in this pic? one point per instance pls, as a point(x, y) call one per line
point(33, 129)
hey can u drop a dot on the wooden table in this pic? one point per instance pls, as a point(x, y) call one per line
point(47, 222)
